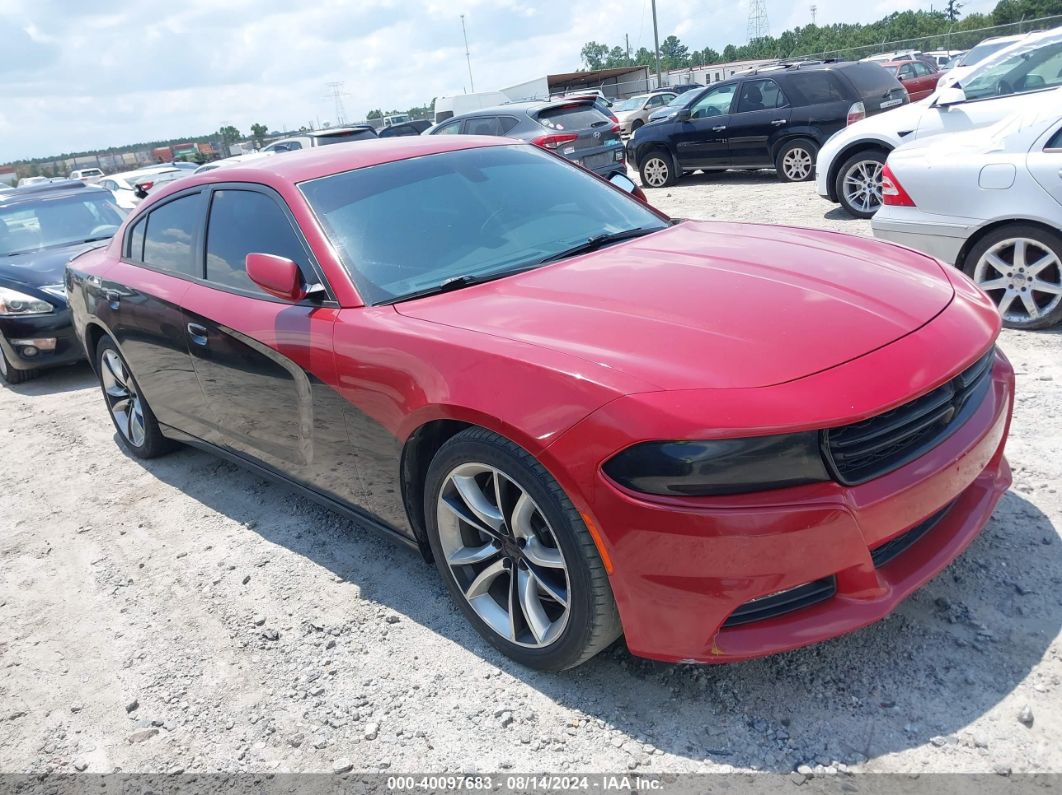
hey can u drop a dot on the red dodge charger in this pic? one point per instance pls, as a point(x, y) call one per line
point(719, 440)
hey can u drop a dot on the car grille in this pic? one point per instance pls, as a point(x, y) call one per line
point(783, 602)
point(865, 450)
point(892, 548)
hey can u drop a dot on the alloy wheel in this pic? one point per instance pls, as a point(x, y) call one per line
point(3, 365)
point(123, 398)
point(503, 554)
point(862, 185)
point(1023, 277)
point(797, 164)
point(656, 172)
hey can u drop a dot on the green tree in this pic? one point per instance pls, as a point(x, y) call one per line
point(229, 135)
point(374, 114)
point(951, 10)
point(593, 55)
point(259, 132)
point(673, 53)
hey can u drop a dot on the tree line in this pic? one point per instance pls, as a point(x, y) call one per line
point(826, 40)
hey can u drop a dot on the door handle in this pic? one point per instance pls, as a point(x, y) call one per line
point(778, 122)
point(198, 333)
point(720, 128)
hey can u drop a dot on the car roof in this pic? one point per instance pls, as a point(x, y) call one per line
point(31, 193)
point(525, 105)
point(335, 130)
point(324, 161)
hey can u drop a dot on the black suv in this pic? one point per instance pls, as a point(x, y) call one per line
point(773, 117)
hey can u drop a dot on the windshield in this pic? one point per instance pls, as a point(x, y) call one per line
point(634, 103)
point(1028, 69)
point(982, 51)
point(403, 227)
point(59, 221)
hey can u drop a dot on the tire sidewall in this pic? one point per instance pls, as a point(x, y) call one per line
point(869, 154)
point(1042, 237)
point(567, 649)
point(798, 143)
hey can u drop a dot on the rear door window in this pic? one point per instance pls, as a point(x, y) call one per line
point(169, 242)
point(243, 222)
point(760, 95)
point(483, 125)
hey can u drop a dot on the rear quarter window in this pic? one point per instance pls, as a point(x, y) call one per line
point(571, 117)
point(870, 79)
point(816, 88)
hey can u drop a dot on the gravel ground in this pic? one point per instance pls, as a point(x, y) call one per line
point(184, 614)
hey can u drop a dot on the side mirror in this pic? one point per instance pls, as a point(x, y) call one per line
point(623, 182)
point(950, 95)
point(278, 276)
point(626, 184)
point(683, 114)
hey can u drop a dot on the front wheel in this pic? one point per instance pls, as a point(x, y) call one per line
point(1020, 268)
point(515, 554)
point(138, 430)
point(11, 374)
point(858, 185)
point(796, 161)
point(657, 170)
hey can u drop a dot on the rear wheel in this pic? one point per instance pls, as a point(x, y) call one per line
point(515, 554)
point(796, 161)
point(1020, 268)
point(12, 375)
point(657, 170)
point(138, 430)
point(636, 124)
point(858, 184)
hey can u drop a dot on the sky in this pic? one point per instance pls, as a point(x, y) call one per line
point(83, 74)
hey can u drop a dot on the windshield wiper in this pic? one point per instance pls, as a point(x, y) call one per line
point(597, 241)
point(457, 283)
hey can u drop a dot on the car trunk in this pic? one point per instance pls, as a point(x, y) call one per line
point(581, 133)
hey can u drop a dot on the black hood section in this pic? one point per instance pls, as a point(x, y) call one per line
point(40, 268)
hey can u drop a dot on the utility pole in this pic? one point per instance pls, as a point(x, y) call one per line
point(468, 58)
point(627, 39)
point(656, 47)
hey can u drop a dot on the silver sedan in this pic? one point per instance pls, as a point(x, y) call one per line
point(989, 202)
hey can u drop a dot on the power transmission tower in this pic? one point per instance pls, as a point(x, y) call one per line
point(337, 93)
point(814, 8)
point(468, 58)
point(758, 25)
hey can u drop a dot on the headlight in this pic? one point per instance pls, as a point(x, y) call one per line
point(13, 302)
point(724, 466)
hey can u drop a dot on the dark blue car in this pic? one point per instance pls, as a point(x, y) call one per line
point(41, 229)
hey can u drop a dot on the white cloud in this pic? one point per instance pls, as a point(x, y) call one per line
point(78, 76)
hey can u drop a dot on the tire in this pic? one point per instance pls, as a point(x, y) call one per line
point(138, 430)
point(796, 160)
point(542, 538)
point(861, 174)
point(636, 124)
point(1009, 263)
point(657, 170)
point(12, 375)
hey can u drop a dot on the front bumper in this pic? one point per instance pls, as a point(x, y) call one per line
point(57, 326)
point(682, 567)
point(941, 239)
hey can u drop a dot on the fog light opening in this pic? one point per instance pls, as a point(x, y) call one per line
point(32, 347)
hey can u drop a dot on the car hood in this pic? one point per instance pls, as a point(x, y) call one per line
point(41, 268)
point(710, 305)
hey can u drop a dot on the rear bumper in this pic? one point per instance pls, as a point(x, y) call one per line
point(55, 326)
point(941, 239)
point(682, 567)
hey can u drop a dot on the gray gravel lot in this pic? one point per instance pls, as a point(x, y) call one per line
point(183, 614)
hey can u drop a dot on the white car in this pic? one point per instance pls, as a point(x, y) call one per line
point(975, 55)
point(90, 176)
point(988, 201)
point(235, 160)
point(331, 135)
point(123, 186)
point(848, 169)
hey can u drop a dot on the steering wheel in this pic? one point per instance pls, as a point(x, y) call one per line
point(1004, 88)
